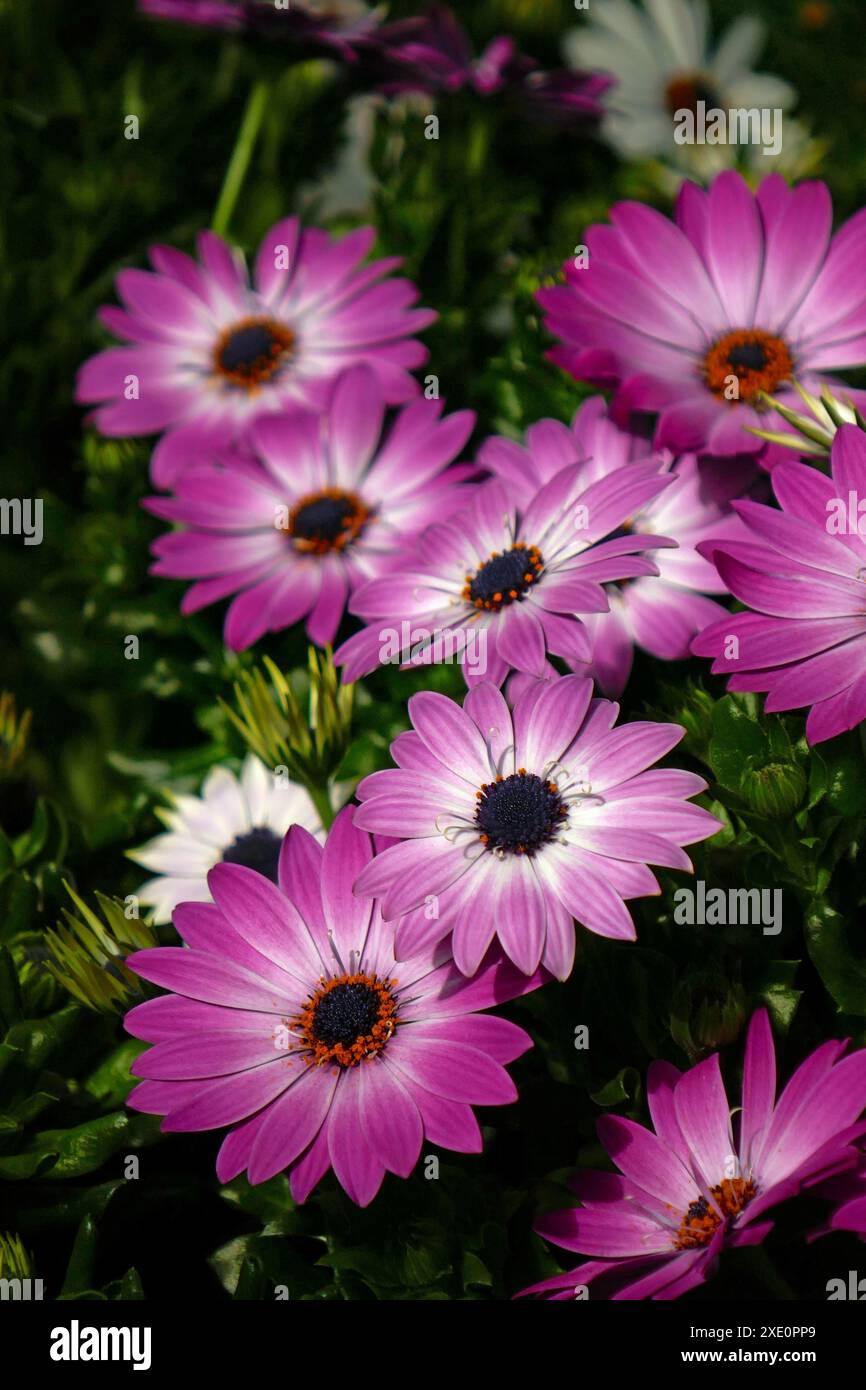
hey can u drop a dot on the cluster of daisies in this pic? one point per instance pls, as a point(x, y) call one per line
point(302, 464)
point(328, 1005)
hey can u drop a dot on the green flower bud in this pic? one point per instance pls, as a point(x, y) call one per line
point(708, 1011)
point(775, 791)
point(40, 991)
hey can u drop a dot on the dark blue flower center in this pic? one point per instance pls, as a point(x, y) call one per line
point(347, 1020)
point(504, 578)
point(520, 813)
point(684, 92)
point(252, 352)
point(749, 355)
point(258, 849)
point(347, 1012)
point(329, 520)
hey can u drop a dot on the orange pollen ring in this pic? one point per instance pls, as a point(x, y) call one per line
point(524, 574)
point(702, 1220)
point(328, 520)
point(365, 1046)
point(758, 360)
point(250, 352)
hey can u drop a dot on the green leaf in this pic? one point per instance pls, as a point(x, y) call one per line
point(79, 1271)
point(475, 1272)
point(622, 1087)
point(842, 969)
point(846, 773)
point(737, 738)
point(26, 1165)
point(10, 991)
point(86, 1147)
point(774, 987)
point(111, 1081)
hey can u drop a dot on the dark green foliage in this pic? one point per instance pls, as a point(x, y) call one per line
point(483, 216)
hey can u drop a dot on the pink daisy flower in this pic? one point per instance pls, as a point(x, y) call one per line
point(328, 504)
point(432, 53)
point(205, 14)
point(692, 1188)
point(740, 294)
point(509, 580)
point(659, 612)
point(208, 353)
point(513, 824)
point(802, 570)
point(290, 1022)
point(340, 24)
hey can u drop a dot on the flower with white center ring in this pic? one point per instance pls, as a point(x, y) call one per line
point(209, 352)
point(516, 823)
point(291, 1024)
point(512, 575)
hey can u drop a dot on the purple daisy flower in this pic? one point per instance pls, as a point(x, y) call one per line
point(205, 14)
point(208, 354)
point(692, 1189)
point(695, 318)
point(327, 505)
point(659, 612)
point(507, 581)
point(514, 824)
point(291, 1022)
point(341, 24)
point(802, 570)
point(432, 53)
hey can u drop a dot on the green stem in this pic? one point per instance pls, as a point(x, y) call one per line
point(321, 799)
point(241, 156)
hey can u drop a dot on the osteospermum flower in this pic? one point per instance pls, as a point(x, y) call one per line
point(663, 61)
point(507, 582)
point(432, 53)
point(206, 14)
point(341, 24)
point(291, 1022)
point(208, 353)
point(801, 570)
point(696, 1186)
point(236, 820)
point(660, 612)
point(697, 318)
point(329, 504)
point(514, 824)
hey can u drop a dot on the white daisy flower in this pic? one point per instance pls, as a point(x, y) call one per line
point(235, 820)
point(663, 59)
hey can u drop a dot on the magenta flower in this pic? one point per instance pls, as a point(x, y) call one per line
point(692, 1189)
point(662, 611)
point(340, 24)
point(802, 570)
point(514, 824)
point(432, 53)
point(208, 354)
point(291, 1022)
point(694, 319)
point(507, 581)
point(206, 14)
point(328, 505)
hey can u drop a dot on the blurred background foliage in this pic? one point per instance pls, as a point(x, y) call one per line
point(91, 1199)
